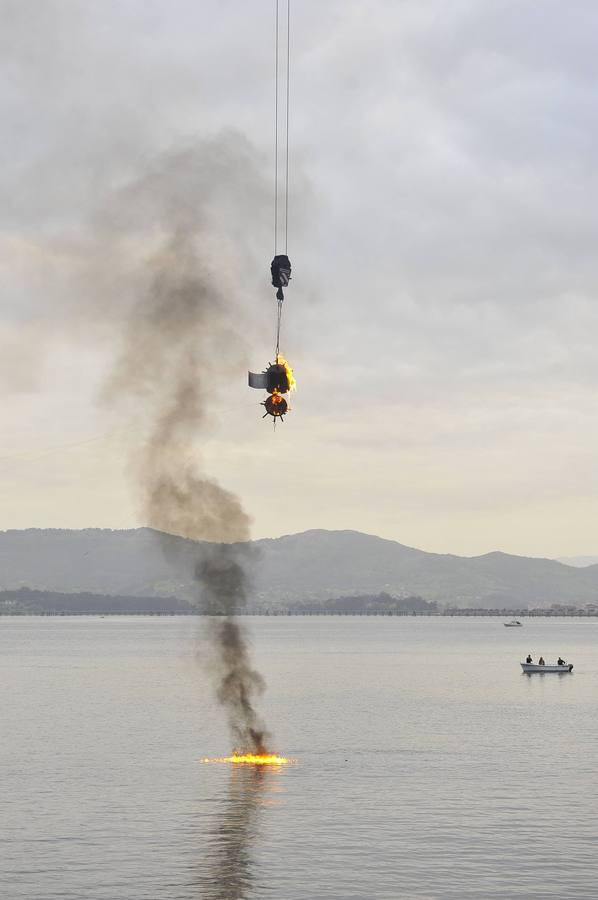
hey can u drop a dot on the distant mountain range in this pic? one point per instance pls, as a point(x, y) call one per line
point(311, 566)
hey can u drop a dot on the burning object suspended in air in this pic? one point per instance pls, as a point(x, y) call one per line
point(275, 406)
point(277, 380)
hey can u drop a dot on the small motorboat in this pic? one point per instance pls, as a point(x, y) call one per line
point(514, 623)
point(528, 668)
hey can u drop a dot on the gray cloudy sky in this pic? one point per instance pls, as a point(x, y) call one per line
point(442, 319)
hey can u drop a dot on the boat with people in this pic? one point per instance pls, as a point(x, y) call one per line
point(514, 623)
point(543, 667)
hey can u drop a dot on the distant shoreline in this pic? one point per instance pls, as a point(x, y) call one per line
point(452, 614)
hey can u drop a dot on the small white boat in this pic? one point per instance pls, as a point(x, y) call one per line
point(514, 623)
point(528, 668)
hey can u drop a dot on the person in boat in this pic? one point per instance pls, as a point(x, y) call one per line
point(529, 659)
point(541, 661)
point(561, 662)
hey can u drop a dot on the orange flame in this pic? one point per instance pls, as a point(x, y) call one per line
point(251, 759)
point(281, 361)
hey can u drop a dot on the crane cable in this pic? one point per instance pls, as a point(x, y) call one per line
point(284, 212)
point(278, 329)
point(276, 132)
point(281, 213)
point(286, 179)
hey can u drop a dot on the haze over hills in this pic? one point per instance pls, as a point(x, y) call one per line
point(313, 565)
point(579, 561)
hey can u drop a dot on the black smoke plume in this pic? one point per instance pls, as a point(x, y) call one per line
point(224, 579)
point(179, 340)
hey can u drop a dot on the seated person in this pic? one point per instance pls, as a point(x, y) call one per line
point(561, 662)
point(541, 661)
point(529, 659)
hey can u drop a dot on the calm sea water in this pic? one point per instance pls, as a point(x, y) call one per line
point(427, 765)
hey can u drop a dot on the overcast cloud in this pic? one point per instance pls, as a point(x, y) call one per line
point(442, 318)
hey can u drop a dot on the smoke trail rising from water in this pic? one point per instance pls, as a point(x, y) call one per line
point(224, 579)
point(176, 347)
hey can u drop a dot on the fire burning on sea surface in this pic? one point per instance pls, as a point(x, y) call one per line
point(251, 759)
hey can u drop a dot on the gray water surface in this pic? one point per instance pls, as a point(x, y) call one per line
point(427, 765)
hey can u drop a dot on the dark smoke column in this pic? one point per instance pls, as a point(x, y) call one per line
point(176, 342)
point(223, 577)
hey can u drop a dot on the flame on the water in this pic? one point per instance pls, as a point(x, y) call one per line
point(281, 361)
point(251, 759)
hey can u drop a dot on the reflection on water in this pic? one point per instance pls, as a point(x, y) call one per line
point(230, 871)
